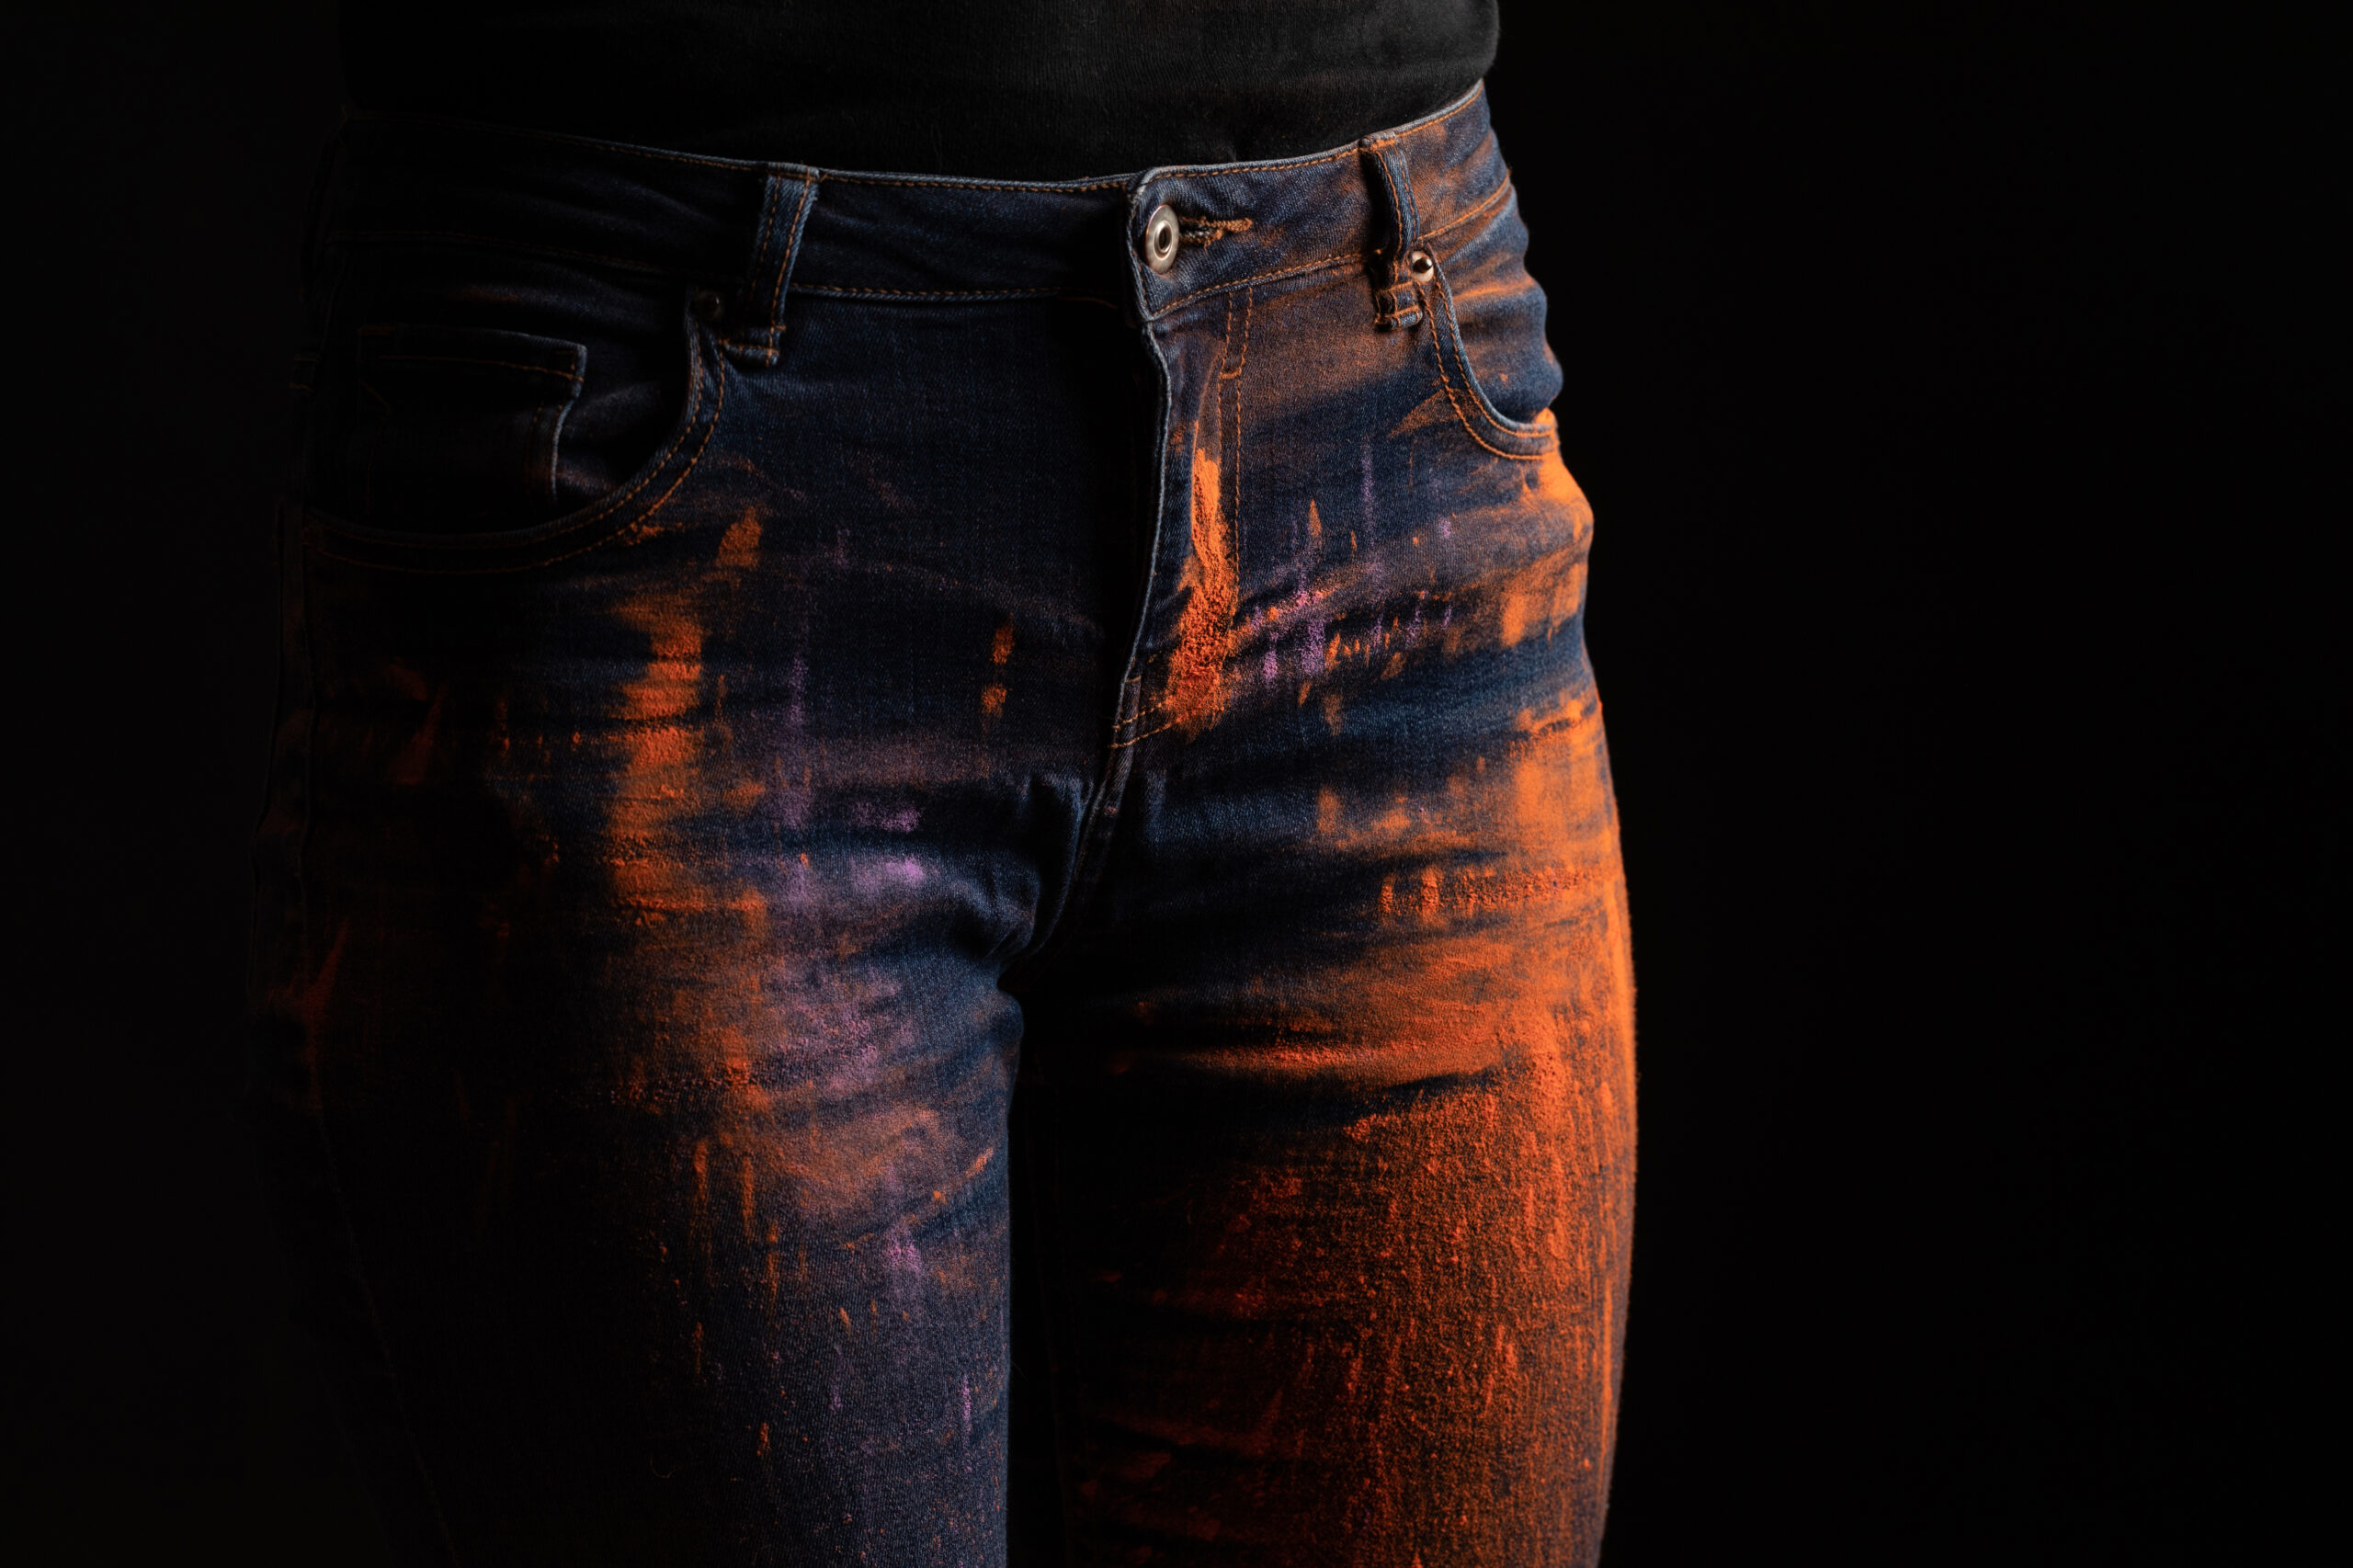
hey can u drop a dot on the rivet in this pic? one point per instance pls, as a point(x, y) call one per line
point(1161, 238)
point(1420, 265)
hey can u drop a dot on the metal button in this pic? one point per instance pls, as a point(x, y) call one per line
point(1421, 265)
point(1161, 238)
point(710, 306)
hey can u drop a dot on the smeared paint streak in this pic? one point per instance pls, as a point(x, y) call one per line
point(739, 548)
point(993, 694)
point(1204, 630)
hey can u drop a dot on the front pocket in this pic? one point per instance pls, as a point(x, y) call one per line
point(455, 429)
point(1487, 316)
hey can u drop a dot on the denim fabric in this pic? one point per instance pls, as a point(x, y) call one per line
point(909, 863)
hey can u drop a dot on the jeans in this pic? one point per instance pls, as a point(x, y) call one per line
point(931, 895)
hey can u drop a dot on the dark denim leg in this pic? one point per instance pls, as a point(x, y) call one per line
point(1334, 1081)
point(642, 916)
point(648, 886)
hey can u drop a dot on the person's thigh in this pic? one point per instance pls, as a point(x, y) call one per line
point(1332, 1081)
point(636, 911)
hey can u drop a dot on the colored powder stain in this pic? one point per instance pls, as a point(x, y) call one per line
point(1517, 608)
point(740, 546)
point(658, 772)
point(1197, 664)
point(993, 694)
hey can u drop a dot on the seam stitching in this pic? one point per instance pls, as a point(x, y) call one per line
point(1460, 219)
point(1547, 438)
point(618, 503)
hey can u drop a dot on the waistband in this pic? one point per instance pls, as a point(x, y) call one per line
point(751, 230)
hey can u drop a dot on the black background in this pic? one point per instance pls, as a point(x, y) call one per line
point(1962, 394)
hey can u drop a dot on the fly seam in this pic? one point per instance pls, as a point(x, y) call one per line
point(1460, 219)
point(1235, 357)
point(1229, 498)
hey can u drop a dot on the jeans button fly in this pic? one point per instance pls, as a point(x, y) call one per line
point(1161, 238)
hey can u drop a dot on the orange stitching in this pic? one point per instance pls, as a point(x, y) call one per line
point(1333, 260)
point(1457, 222)
point(1547, 438)
point(1184, 299)
point(1208, 231)
point(1478, 90)
point(1234, 519)
point(1236, 361)
point(1453, 223)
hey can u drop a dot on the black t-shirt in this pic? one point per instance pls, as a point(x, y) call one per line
point(1021, 89)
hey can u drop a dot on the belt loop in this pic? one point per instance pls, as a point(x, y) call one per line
point(758, 324)
point(1395, 300)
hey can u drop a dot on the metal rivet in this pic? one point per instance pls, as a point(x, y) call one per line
point(1161, 238)
point(1420, 264)
point(710, 305)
